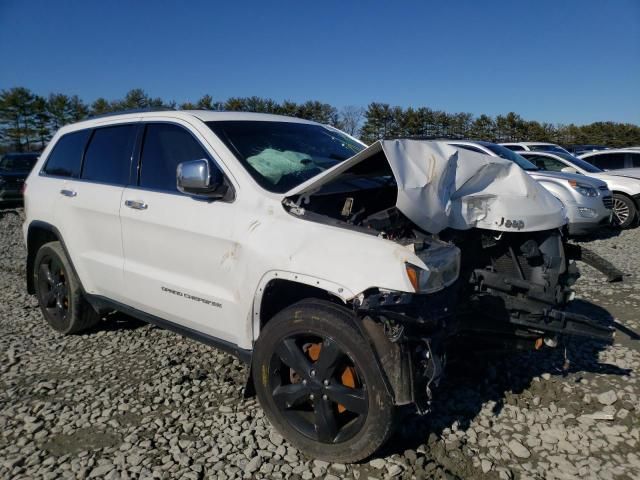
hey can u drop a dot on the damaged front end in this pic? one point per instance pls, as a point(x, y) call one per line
point(513, 278)
point(409, 334)
point(517, 290)
point(409, 331)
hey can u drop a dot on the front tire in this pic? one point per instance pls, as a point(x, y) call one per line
point(59, 292)
point(624, 211)
point(319, 383)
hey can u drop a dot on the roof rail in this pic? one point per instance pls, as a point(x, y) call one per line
point(133, 110)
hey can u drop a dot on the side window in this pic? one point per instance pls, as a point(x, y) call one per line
point(537, 160)
point(164, 147)
point(607, 161)
point(553, 164)
point(108, 155)
point(515, 148)
point(66, 156)
point(635, 159)
point(546, 163)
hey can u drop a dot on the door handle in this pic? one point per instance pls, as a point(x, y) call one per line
point(68, 193)
point(136, 204)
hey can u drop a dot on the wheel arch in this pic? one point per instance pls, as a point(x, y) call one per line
point(634, 198)
point(39, 233)
point(278, 290)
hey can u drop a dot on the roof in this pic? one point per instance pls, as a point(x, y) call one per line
point(609, 150)
point(203, 115)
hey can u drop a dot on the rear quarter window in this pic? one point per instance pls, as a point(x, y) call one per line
point(607, 161)
point(66, 157)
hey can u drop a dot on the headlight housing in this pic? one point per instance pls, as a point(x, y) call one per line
point(443, 268)
point(583, 189)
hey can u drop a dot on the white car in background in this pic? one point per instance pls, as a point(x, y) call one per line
point(619, 161)
point(626, 190)
point(587, 201)
point(534, 147)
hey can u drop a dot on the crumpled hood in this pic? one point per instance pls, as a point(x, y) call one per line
point(440, 186)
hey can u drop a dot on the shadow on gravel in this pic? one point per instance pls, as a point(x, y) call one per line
point(479, 379)
point(603, 233)
point(9, 208)
point(117, 321)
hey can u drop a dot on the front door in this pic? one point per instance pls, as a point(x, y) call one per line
point(179, 250)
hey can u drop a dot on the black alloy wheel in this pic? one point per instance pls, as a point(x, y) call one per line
point(53, 289)
point(59, 292)
point(320, 384)
point(316, 387)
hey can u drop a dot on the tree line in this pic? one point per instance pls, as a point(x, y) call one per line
point(28, 120)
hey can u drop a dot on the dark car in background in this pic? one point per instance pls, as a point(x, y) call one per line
point(14, 169)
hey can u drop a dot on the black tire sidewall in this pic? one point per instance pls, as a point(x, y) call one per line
point(334, 322)
point(79, 316)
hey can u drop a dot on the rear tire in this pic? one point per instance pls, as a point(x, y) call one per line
point(624, 211)
point(59, 292)
point(319, 383)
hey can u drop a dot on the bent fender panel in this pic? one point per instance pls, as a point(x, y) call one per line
point(332, 288)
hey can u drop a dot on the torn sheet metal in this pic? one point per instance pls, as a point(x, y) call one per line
point(440, 186)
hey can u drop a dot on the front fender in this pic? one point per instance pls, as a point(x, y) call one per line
point(335, 289)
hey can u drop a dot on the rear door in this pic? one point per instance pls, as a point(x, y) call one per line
point(180, 255)
point(88, 212)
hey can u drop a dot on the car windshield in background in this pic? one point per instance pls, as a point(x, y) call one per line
point(504, 152)
point(282, 155)
point(578, 162)
point(547, 148)
point(18, 163)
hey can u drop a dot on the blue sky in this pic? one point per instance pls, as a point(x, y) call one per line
point(549, 60)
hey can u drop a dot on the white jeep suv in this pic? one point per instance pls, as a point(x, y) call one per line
point(294, 247)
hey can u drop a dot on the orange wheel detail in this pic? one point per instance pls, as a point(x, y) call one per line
point(347, 378)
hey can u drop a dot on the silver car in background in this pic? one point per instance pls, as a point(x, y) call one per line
point(587, 201)
point(624, 185)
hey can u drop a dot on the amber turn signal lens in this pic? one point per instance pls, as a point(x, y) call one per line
point(412, 273)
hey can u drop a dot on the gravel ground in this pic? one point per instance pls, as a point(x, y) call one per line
point(129, 400)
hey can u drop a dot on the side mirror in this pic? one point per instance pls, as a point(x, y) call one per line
point(200, 177)
point(568, 170)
